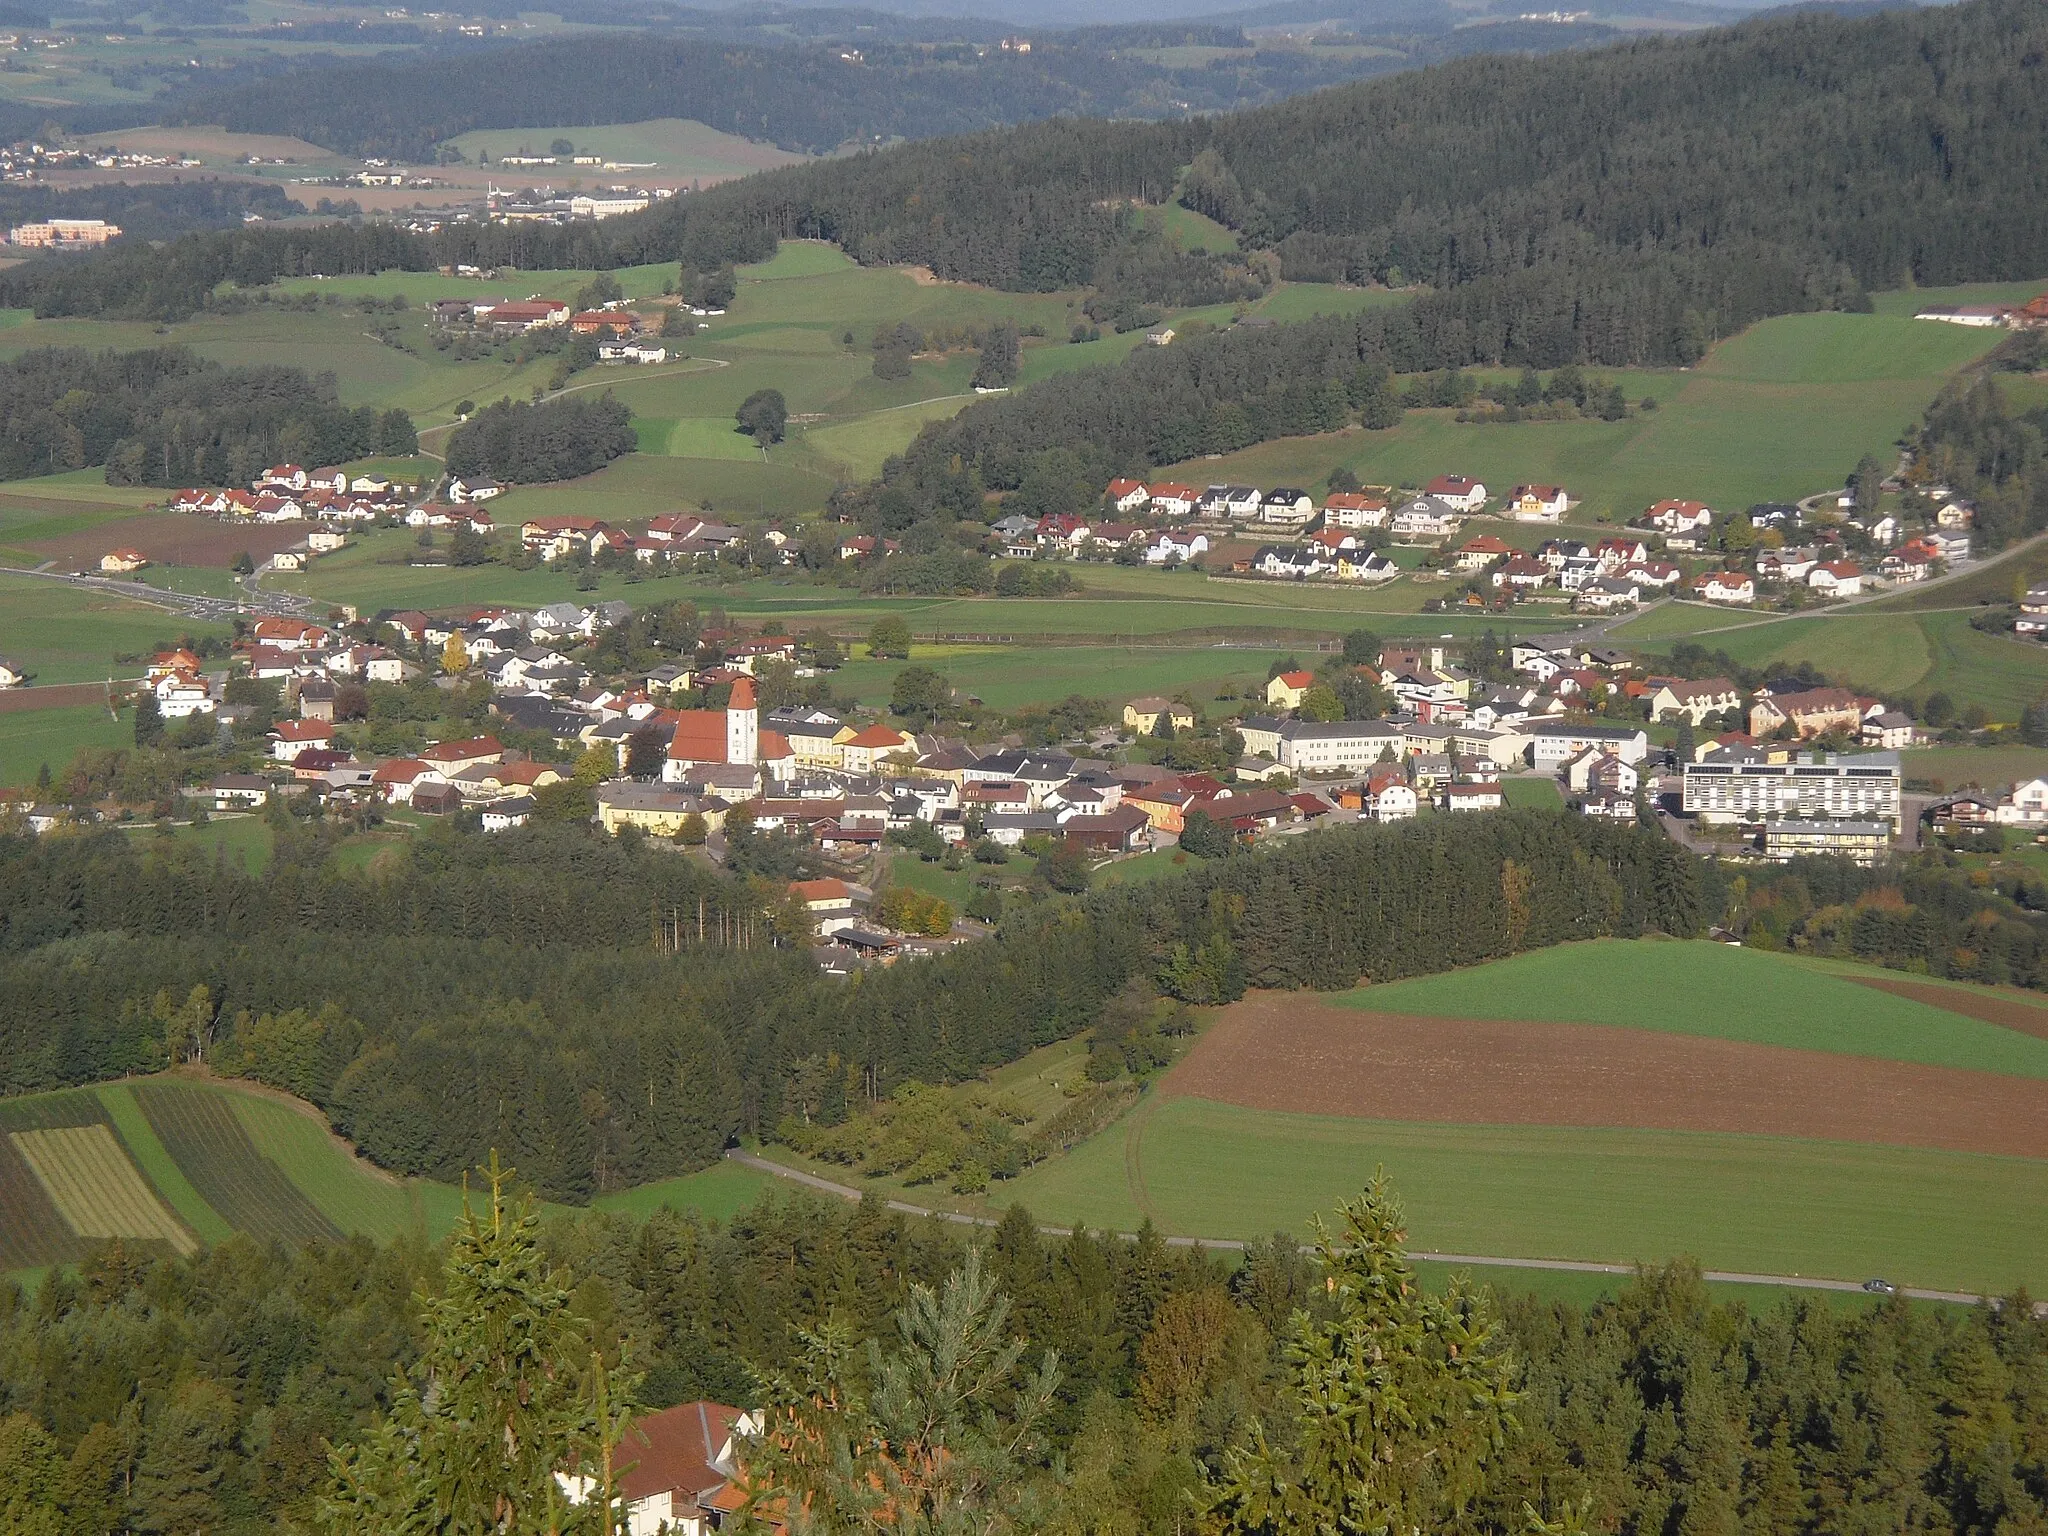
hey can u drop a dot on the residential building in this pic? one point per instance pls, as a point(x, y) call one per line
point(1350, 509)
point(1288, 689)
point(1552, 744)
point(1143, 715)
point(1335, 746)
point(1806, 786)
point(657, 809)
point(1866, 842)
point(1736, 588)
point(1459, 491)
point(1537, 503)
point(123, 561)
point(1814, 712)
point(1891, 731)
point(1478, 553)
point(1695, 700)
point(290, 738)
point(1173, 499)
point(1836, 578)
point(1128, 496)
point(1288, 507)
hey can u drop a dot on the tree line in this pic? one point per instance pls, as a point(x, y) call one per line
point(1972, 440)
point(164, 416)
point(1031, 1382)
point(608, 1013)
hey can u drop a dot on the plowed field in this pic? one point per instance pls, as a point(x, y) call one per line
point(2029, 1018)
point(173, 538)
point(1284, 1051)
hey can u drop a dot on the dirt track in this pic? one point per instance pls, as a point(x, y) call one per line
point(2010, 1012)
point(1287, 1051)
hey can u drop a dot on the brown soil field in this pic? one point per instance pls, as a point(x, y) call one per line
point(1285, 1051)
point(2009, 1010)
point(15, 701)
point(172, 538)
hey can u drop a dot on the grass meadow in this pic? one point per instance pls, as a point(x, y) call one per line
point(1717, 990)
point(31, 738)
point(677, 146)
point(1741, 1203)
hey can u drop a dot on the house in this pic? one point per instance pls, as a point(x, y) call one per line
point(238, 792)
point(1169, 548)
point(1430, 517)
point(1660, 574)
point(1173, 499)
point(13, 674)
point(1605, 594)
point(1143, 715)
point(288, 634)
point(1537, 503)
point(1734, 587)
point(1127, 496)
point(1695, 700)
point(290, 738)
point(288, 560)
point(123, 561)
point(869, 750)
point(1552, 744)
point(1459, 491)
point(527, 315)
point(449, 758)
point(1349, 509)
point(1367, 566)
point(1288, 507)
point(325, 541)
point(1389, 797)
point(1914, 563)
point(1836, 578)
point(1113, 831)
point(1594, 771)
point(554, 537)
point(1477, 554)
point(1813, 712)
point(1240, 503)
point(1286, 690)
point(1683, 523)
point(442, 799)
point(503, 815)
point(656, 809)
point(1522, 573)
point(473, 488)
point(2033, 616)
point(1287, 561)
point(1474, 797)
point(1890, 731)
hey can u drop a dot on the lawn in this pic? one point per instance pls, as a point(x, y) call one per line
point(1984, 766)
point(1533, 794)
point(32, 738)
point(1717, 990)
point(718, 1193)
point(1749, 1204)
point(246, 841)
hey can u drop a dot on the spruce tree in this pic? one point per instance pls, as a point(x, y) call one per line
point(507, 1393)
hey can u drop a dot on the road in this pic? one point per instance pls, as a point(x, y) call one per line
point(1470, 1260)
point(189, 605)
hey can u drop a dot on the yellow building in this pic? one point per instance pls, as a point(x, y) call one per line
point(1143, 715)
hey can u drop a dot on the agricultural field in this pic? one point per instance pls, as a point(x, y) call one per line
point(65, 634)
point(680, 149)
point(1611, 1102)
point(1892, 653)
point(1782, 410)
point(1007, 677)
point(31, 738)
point(183, 1160)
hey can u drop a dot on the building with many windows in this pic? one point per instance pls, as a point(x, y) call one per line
point(1807, 786)
point(1864, 841)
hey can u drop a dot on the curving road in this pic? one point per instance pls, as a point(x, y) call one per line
point(1473, 1260)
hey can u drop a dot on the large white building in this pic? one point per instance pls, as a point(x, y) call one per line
point(1555, 743)
point(1810, 786)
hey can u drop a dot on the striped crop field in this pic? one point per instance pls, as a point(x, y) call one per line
point(94, 1186)
point(198, 1128)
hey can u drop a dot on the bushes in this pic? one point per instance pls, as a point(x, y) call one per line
point(560, 439)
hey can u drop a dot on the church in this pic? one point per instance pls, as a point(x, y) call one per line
point(717, 746)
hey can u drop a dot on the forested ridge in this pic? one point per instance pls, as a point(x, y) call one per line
point(526, 442)
point(1618, 206)
point(550, 995)
point(165, 416)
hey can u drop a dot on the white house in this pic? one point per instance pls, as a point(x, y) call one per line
point(1836, 578)
point(1460, 491)
point(1537, 503)
point(1735, 587)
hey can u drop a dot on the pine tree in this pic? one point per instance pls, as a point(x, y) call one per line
point(507, 1393)
point(1401, 1400)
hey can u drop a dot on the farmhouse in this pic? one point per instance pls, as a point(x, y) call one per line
point(122, 561)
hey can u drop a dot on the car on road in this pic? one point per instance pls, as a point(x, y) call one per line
point(1880, 1288)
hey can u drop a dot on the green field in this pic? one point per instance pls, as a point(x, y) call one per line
point(1006, 677)
point(719, 1193)
point(66, 634)
point(1886, 652)
point(1985, 766)
point(1718, 990)
point(1751, 1204)
point(1782, 410)
point(32, 738)
point(222, 1157)
point(678, 146)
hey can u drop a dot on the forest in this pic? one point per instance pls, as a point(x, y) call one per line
point(164, 416)
point(526, 442)
point(631, 1010)
point(1119, 1384)
point(1973, 440)
point(1617, 206)
point(150, 210)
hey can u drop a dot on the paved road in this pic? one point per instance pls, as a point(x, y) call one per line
point(189, 605)
point(1476, 1260)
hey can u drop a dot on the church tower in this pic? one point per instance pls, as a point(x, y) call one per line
point(742, 725)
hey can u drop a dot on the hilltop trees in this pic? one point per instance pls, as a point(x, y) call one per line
point(522, 442)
